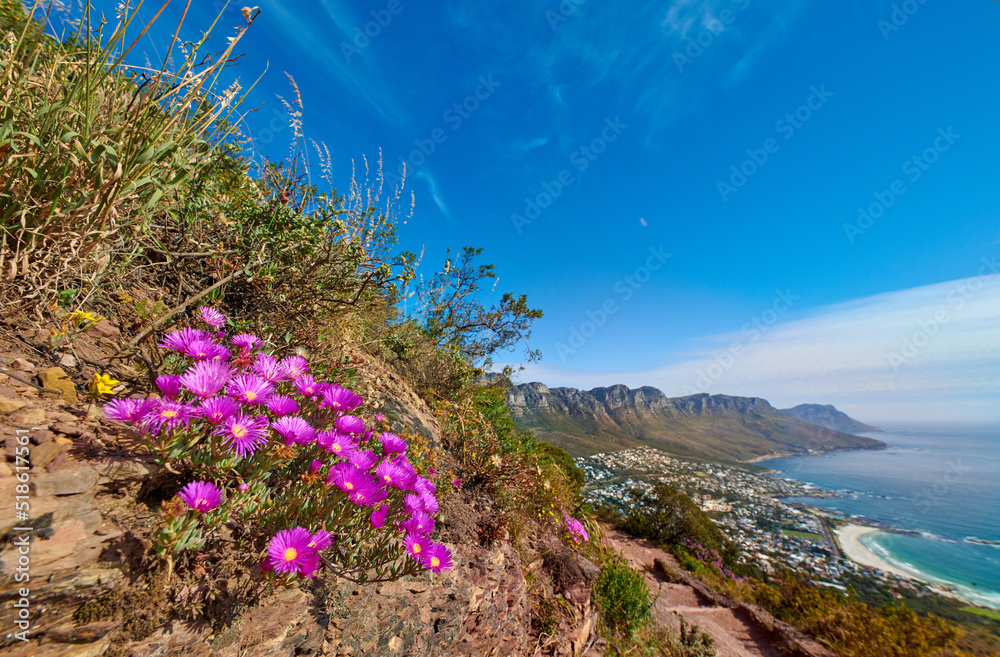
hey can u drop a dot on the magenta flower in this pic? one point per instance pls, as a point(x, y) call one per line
point(575, 528)
point(244, 434)
point(369, 495)
point(201, 495)
point(211, 316)
point(348, 478)
point(425, 486)
point(249, 388)
point(340, 399)
point(295, 366)
point(321, 540)
point(413, 503)
point(392, 444)
point(206, 350)
point(430, 503)
point(350, 424)
point(380, 418)
point(307, 386)
point(337, 443)
point(378, 516)
point(244, 487)
point(220, 354)
point(281, 405)
point(391, 474)
point(269, 368)
point(179, 340)
point(245, 341)
point(416, 545)
point(456, 483)
point(437, 558)
point(315, 467)
point(294, 430)
point(218, 409)
point(362, 459)
point(169, 385)
point(289, 551)
point(419, 523)
point(206, 378)
point(128, 410)
point(167, 414)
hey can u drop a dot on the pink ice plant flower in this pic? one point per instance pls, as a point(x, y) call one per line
point(128, 410)
point(295, 366)
point(281, 405)
point(350, 424)
point(337, 443)
point(380, 418)
point(416, 545)
point(419, 523)
point(307, 386)
point(201, 495)
point(206, 350)
point(393, 475)
point(289, 551)
point(369, 495)
point(269, 368)
point(169, 385)
point(245, 341)
point(294, 430)
point(321, 540)
point(362, 459)
point(167, 414)
point(348, 478)
point(250, 388)
point(205, 378)
point(341, 399)
point(244, 434)
point(179, 340)
point(575, 528)
point(218, 409)
point(392, 444)
point(437, 558)
point(378, 516)
point(211, 316)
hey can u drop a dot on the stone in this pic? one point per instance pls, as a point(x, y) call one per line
point(43, 454)
point(29, 417)
point(55, 378)
point(83, 634)
point(174, 640)
point(8, 405)
point(58, 462)
point(107, 330)
point(41, 436)
point(5, 469)
point(22, 365)
point(123, 468)
point(68, 481)
point(67, 429)
point(67, 360)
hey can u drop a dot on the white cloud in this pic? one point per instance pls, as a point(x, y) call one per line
point(923, 354)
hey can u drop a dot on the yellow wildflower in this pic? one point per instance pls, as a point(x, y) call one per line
point(103, 384)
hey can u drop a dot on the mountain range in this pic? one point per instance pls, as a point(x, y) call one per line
point(715, 427)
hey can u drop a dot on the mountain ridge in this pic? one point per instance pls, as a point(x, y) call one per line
point(719, 427)
point(827, 415)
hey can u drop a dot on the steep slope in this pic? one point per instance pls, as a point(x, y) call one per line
point(712, 426)
point(829, 417)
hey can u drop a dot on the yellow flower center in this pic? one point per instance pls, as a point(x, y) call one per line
point(250, 395)
point(387, 479)
point(168, 414)
point(417, 548)
point(239, 430)
point(290, 554)
point(435, 562)
point(348, 485)
point(200, 502)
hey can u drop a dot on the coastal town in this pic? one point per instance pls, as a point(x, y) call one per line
point(767, 516)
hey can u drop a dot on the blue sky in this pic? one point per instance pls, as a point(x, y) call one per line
point(631, 124)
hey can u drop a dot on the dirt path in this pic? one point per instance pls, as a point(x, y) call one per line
point(734, 635)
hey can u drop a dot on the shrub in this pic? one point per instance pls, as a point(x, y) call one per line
point(622, 598)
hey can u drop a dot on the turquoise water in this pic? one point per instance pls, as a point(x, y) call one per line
point(943, 483)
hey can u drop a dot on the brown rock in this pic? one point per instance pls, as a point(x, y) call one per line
point(55, 378)
point(41, 436)
point(67, 360)
point(58, 462)
point(172, 640)
point(68, 481)
point(121, 468)
point(107, 330)
point(83, 634)
point(43, 454)
point(29, 417)
point(67, 429)
point(285, 626)
point(8, 405)
point(22, 365)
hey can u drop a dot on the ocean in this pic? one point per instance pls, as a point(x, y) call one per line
point(943, 483)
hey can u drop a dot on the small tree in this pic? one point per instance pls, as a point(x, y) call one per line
point(452, 313)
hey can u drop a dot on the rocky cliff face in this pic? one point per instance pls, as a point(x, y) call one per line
point(716, 426)
point(829, 417)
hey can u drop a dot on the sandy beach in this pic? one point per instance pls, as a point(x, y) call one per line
point(849, 536)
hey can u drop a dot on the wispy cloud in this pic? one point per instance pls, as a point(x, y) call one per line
point(927, 353)
point(432, 188)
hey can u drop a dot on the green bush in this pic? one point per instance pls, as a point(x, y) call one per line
point(561, 458)
point(622, 598)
